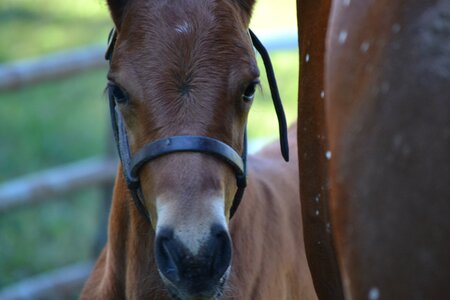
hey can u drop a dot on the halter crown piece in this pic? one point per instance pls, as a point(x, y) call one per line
point(131, 164)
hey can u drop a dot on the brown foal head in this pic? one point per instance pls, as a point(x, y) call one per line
point(185, 68)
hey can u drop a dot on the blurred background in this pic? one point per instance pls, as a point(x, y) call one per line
point(57, 160)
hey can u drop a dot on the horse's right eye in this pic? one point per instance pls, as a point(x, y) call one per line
point(250, 90)
point(119, 95)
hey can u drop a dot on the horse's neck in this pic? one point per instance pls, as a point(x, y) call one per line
point(270, 199)
point(129, 252)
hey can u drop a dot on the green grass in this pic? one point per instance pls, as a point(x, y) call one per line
point(52, 123)
point(44, 237)
point(65, 120)
point(30, 28)
point(263, 120)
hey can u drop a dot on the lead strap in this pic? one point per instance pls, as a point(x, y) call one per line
point(282, 125)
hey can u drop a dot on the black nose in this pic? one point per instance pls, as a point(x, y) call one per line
point(196, 274)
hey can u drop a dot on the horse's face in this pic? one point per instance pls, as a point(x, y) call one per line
point(185, 68)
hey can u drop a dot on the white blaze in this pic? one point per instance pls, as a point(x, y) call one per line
point(182, 28)
point(194, 227)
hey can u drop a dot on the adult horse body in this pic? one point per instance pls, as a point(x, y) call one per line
point(182, 79)
point(382, 140)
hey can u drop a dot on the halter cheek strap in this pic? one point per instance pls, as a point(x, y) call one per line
point(131, 165)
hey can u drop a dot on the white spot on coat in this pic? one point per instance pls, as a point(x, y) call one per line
point(307, 57)
point(365, 46)
point(396, 28)
point(322, 94)
point(374, 294)
point(182, 28)
point(342, 37)
point(328, 154)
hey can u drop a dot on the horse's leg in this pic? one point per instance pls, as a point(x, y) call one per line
point(312, 16)
point(388, 116)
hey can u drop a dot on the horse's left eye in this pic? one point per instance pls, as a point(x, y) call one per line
point(249, 92)
point(118, 93)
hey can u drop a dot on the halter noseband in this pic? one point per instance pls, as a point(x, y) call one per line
point(131, 165)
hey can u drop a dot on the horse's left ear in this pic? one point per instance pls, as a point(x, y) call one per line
point(117, 9)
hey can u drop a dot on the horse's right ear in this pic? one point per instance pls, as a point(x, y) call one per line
point(117, 9)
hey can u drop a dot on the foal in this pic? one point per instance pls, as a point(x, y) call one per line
point(188, 69)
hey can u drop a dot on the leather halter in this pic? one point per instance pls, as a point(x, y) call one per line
point(131, 164)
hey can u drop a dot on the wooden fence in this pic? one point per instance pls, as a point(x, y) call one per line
point(97, 171)
point(22, 73)
point(41, 186)
point(58, 284)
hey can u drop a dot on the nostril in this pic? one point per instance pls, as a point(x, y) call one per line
point(166, 255)
point(197, 272)
point(221, 251)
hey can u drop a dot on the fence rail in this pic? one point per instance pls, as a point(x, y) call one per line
point(18, 74)
point(58, 284)
point(43, 185)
